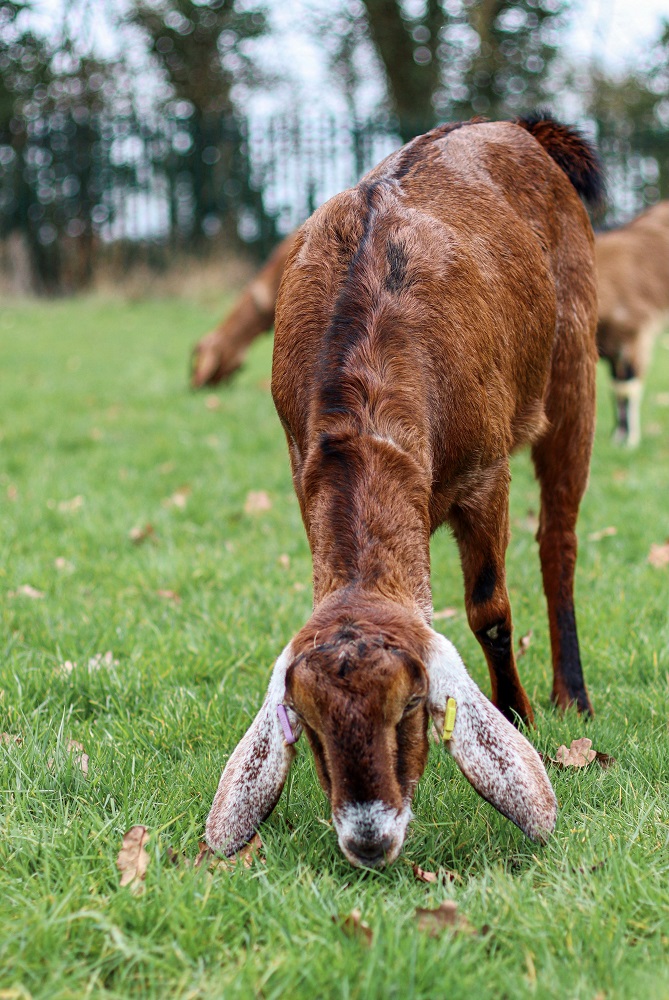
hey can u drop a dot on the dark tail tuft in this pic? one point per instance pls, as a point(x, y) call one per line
point(571, 152)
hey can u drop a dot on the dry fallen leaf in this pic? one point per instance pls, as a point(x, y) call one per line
point(10, 739)
point(524, 643)
point(423, 876)
point(205, 854)
point(138, 535)
point(102, 660)
point(63, 565)
point(284, 560)
point(257, 501)
point(169, 595)
point(78, 755)
point(443, 875)
point(354, 926)
point(444, 613)
point(596, 536)
point(179, 498)
point(177, 858)
point(579, 754)
point(433, 922)
point(207, 859)
point(659, 555)
point(70, 506)
point(25, 590)
point(133, 860)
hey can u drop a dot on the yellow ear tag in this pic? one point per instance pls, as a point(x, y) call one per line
point(449, 718)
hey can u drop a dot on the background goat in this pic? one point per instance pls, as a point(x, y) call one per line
point(429, 321)
point(633, 289)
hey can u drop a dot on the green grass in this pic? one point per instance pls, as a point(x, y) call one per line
point(94, 405)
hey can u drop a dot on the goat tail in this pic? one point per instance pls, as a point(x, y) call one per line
point(572, 153)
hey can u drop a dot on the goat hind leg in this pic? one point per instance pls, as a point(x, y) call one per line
point(561, 460)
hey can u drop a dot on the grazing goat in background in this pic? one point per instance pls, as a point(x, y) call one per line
point(633, 288)
point(220, 353)
point(430, 320)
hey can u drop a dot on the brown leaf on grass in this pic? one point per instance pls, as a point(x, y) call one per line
point(257, 502)
point(79, 756)
point(133, 859)
point(659, 555)
point(434, 922)
point(579, 754)
point(177, 858)
point(207, 859)
point(139, 534)
point(444, 614)
point(524, 644)
point(179, 498)
point(596, 536)
point(355, 927)
point(604, 759)
point(443, 875)
point(10, 739)
point(169, 595)
point(71, 506)
point(25, 590)
point(101, 660)
point(205, 854)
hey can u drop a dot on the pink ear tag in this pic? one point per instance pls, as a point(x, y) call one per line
point(288, 734)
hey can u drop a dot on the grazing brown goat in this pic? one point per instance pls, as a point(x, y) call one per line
point(220, 353)
point(633, 288)
point(430, 320)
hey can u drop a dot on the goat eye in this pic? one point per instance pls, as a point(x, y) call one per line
point(413, 703)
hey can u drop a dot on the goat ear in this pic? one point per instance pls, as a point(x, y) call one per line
point(495, 758)
point(254, 776)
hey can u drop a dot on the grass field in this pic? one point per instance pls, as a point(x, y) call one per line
point(99, 435)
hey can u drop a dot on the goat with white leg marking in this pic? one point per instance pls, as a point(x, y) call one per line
point(633, 289)
point(429, 321)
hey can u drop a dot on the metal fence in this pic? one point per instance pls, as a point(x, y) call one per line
point(78, 191)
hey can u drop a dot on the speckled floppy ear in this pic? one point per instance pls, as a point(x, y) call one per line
point(254, 776)
point(496, 759)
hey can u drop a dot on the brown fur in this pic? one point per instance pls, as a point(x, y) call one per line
point(221, 352)
point(431, 320)
point(633, 288)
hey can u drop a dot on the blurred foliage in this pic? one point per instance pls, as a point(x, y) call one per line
point(94, 164)
point(451, 59)
point(200, 47)
point(200, 52)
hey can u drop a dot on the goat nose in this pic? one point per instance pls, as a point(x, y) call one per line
point(371, 852)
